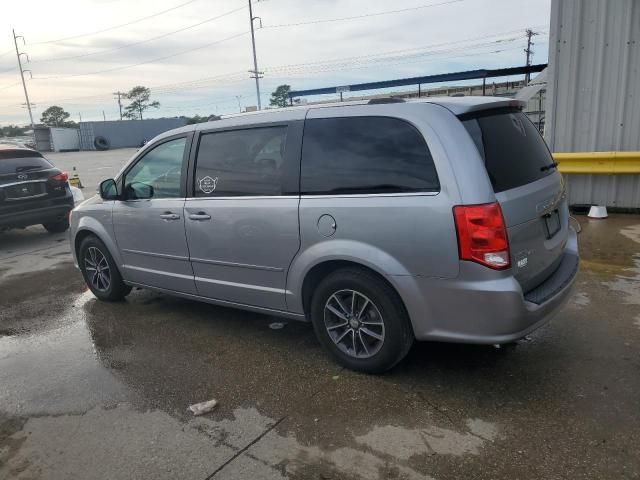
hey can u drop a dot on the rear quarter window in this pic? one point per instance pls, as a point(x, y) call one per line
point(513, 151)
point(365, 155)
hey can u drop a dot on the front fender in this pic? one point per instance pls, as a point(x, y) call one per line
point(338, 249)
point(99, 224)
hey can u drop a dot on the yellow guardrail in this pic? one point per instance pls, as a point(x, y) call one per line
point(602, 163)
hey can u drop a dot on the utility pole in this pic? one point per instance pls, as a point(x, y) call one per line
point(530, 33)
point(238, 97)
point(104, 117)
point(255, 72)
point(24, 85)
point(119, 94)
point(80, 115)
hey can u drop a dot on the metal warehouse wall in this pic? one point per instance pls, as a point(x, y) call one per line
point(125, 133)
point(593, 91)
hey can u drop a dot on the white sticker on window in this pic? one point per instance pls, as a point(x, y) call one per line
point(208, 184)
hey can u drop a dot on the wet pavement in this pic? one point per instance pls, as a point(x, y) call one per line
point(100, 390)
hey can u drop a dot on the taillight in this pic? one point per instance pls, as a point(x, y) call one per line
point(61, 177)
point(482, 235)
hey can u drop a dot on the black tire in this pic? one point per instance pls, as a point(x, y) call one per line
point(116, 289)
point(57, 227)
point(397, 332)
point(101, 143)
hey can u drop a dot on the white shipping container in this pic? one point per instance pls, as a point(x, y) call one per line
point(64, 139)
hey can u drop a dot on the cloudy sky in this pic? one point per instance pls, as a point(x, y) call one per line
point(194, 54)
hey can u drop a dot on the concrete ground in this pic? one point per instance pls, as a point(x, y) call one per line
point(92, 167)
point(100, 390)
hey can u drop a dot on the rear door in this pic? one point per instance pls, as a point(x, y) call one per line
point(150, 231)
point(242, 220)
point(528, 187)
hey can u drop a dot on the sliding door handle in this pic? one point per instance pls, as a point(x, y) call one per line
point(200, 216)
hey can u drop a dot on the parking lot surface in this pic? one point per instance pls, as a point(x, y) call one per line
point(100, 390)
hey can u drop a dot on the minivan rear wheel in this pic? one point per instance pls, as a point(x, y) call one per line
point(100, 271)
point(361, 320)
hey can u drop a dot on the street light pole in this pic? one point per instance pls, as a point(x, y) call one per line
point(24, 85)
point(255, 72)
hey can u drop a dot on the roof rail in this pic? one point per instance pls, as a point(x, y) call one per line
point(383, 100)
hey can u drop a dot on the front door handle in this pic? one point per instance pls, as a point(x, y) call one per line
point(170, 216)
point(200, 216)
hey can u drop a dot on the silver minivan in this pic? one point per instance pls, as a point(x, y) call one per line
point(381, 222)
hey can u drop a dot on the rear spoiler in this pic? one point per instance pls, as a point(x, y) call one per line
point(468, 105)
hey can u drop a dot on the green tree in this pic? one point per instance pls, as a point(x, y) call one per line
point(12, 131)
point(280, 96)
point(140, 101)
point(55, 116)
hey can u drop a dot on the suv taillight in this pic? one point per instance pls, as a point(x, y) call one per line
point(61, 177)
point(482, 235)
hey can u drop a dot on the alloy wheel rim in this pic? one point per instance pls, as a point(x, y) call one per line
point(97, 268)
point(354, 323)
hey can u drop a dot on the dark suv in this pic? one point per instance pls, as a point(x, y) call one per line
point(32, 191)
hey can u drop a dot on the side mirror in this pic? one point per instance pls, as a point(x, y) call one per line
point(138, 191)
point(108, 189)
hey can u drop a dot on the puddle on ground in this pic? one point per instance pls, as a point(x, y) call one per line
point(77, 414)
point(628, 283)
point(405, 443)
point(632, 232)
point(580, 299)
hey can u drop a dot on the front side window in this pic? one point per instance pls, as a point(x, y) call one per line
point(247, 162)
point(354, 155)
point(161, 168)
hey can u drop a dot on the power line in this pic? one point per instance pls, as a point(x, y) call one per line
point(164, 35)
point(114, 27)
point(236, 76)
point(413, 49)
point(145, 62)
point(364, 15)
point(8, 70)
point(9, 86)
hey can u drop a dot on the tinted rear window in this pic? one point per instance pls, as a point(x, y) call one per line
point(248, 162)
point(511, 146)
point(10, 164)
point(352, 155)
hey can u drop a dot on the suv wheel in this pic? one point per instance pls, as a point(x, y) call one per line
point(361, 321)
point(57, 227)
point(100, 271)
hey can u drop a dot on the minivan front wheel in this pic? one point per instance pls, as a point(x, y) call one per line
point(361, 321)
point(100, 271)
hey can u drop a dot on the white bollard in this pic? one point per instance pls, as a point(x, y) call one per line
point(597, 212)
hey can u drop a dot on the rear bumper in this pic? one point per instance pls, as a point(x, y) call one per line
point(486, 307)
point(55, 210)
